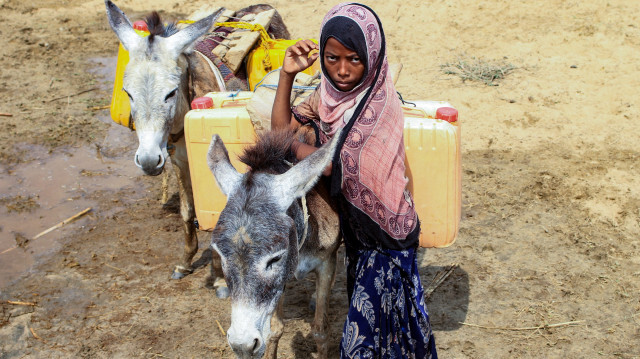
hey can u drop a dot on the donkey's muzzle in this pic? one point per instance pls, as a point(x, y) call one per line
point(151, 164)
point(246, 345)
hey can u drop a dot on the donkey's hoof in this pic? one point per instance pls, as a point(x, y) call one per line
point(177, 275)
point(180, 272)
point(222, 292)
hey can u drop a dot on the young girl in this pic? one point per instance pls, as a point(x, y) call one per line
point(387, 316)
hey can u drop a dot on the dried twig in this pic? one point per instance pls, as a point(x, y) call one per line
point(8, 249)
point(4, 114)
point(34, 334)
point(146, 296)
point(116, 268)
point(130, 327)
point(72, 95)
point(439, 279)
point(542, 326)
point(21, 303)
point(165, 187)
point(96, 108)
point(220, 327)
point(72, 218)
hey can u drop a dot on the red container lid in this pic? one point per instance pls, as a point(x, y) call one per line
point(202, 103)
point(140, 25)
point(448, 114)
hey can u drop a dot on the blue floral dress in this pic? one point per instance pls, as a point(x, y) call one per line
point(386, 319)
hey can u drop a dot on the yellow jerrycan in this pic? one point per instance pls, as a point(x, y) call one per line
point(433, 166)
point(223, 113)
point(120, 108)
point(268, 56)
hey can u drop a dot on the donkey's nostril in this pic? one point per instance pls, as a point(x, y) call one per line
point(137, 161)
point(246, 343)
point(256, 345)
point(160, 163)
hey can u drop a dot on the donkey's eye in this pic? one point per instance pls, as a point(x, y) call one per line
point(128, 94)
point(273, 261)
point(171, 94)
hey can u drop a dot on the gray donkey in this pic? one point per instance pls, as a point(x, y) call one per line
point(266, 234)
point(162, 77)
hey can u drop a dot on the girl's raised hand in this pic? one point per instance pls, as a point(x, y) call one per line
point(300, 56)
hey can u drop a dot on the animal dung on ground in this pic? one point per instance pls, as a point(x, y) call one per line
point(21, 239)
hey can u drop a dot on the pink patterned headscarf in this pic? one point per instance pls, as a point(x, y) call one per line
point(372, 150)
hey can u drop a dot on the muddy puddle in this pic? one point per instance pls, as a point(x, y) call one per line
point(50, 187)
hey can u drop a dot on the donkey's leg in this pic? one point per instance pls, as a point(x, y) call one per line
point(325, 274)
point(277, 328)
point(187, 210)
point(219, 284)
point(188, 213)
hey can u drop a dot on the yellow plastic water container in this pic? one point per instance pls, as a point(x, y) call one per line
point(432, 146)
point(269, 56)
point(223, 113)
point(120, 108)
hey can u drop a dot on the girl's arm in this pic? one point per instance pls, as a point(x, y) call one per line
point(297, 58)
point(303, 150)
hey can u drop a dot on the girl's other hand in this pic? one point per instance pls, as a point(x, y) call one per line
point(300, 56)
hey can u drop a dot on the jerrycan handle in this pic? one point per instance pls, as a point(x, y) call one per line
point(413, 112)
point(233, 103)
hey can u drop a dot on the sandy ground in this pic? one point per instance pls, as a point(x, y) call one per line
point(551, 187)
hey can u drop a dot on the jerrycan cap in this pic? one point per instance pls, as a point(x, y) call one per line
point(140, 25)
point(202, 103)
point(448, 114)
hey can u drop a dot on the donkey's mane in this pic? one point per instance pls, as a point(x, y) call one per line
point(270, 152)
point(157, 28)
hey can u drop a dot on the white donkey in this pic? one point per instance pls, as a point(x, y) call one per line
point(163, 75)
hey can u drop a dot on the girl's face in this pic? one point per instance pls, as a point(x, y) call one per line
point(343, 65)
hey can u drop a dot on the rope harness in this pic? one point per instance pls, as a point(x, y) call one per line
point(265, 39)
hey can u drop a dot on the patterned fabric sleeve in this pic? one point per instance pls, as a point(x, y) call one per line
point(307, 110)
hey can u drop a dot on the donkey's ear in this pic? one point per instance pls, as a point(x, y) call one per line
point(227, 177)
point(299, 180)
point(122, 27)
point(181, 40)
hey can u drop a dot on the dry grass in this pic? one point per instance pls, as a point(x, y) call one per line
point(479, 70)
